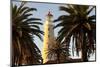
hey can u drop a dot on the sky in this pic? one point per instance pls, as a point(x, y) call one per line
point(42, 10)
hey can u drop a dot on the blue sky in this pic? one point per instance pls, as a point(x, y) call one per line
point(42, 10)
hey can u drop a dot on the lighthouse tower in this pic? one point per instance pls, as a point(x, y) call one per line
point(49, 43)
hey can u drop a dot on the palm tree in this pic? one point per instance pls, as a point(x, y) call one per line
point(78, 26)
point(58, 52)
point(24, 29)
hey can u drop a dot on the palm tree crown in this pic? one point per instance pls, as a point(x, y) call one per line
point(79, 26)
point(24, 28)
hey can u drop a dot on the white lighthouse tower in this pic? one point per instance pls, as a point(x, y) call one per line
point(49, 43)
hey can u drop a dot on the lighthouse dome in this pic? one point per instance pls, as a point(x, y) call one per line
point(49, 14)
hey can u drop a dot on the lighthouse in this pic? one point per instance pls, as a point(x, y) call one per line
point(49, 43)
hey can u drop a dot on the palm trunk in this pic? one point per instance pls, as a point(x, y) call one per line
point(84, 49)
point(84, 54)
point(58, 56)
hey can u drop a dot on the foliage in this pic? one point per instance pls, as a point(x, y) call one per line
point(24, 29)
point(78, 26)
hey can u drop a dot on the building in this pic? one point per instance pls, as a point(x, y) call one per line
point(49, 43)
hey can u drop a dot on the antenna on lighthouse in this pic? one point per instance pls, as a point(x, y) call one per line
point(49, 16)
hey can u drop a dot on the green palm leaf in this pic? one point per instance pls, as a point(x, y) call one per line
point(24, 28)
point(77, 23)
